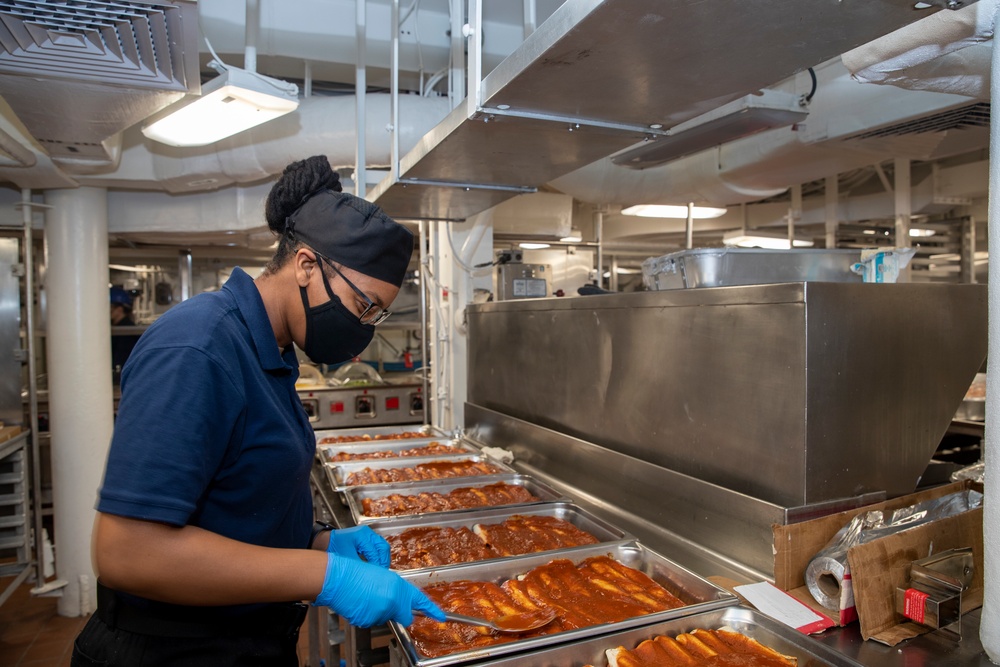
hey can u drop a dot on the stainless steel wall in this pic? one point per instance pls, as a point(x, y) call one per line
point(11, 410)
point(794, 393)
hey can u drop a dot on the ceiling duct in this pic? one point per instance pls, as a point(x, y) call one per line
point(77, 73)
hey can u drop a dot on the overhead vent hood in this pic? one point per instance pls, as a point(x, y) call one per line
point(76, 73)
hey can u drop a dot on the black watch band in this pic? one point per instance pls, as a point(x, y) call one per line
point(319, 527)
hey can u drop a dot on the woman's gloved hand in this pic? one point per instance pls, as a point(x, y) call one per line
point(359, 541)
point(368, 595)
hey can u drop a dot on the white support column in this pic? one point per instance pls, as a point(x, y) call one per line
point(463, 245)
point(832, 200)
point(360, 95)
point(904, 206)
point(689, 227)
point(989, 629)
point(794, 213)
point(79, 368)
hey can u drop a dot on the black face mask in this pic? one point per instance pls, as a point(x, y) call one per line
point(333, 333)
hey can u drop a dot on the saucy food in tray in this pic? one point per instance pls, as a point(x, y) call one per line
point(430, 546)
point(432, 449)
point(398, 504)
point(597, 590)
point(711, 648)
point(403, 435)
point(423, 471)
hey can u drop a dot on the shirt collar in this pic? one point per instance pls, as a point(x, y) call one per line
point(251, 306)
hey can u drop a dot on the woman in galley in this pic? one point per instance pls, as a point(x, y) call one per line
point(204, 543)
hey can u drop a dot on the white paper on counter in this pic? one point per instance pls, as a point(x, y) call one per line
point(782, 607)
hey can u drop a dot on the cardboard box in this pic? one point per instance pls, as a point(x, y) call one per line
point(8, 432)
point(878, 567)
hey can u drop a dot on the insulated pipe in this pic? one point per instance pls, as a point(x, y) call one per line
point(79, 366)
point(989, 629)
point(483, 222)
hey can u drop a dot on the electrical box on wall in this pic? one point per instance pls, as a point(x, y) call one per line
point(522, 281)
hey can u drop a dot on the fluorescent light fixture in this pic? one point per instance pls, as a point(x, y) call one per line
point(673, 211)
point(922, 233)
point(756, 239)
point(234, 101)
point(534, 246)
point(741, 118)
point(574, 236)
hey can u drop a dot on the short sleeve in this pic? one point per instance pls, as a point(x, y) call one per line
point(179, 418)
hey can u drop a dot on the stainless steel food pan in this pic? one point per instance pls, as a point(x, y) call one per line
point(326, 452)
point(700, 595)
point(585, 521)
point(341, 471)
point(753, 624)
point(717, 267)
point(356, 494)
point(429, 431)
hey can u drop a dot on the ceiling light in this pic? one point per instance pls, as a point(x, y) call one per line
point(534, 246)
point(915, 231)
point(234, 101)
point(574, 236)
point(870, 232)
point(748, 115)
point(672, 211)
point(758, 239)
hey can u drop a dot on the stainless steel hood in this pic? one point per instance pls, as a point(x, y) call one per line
point(598, 77)
point(793, 393)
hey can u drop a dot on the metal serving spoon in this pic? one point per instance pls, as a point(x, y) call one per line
point(513, 623)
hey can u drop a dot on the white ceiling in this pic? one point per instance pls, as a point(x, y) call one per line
point(319, 36)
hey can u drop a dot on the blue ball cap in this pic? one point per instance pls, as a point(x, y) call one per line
point(120, 296)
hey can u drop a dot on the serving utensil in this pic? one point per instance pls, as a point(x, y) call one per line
point(510, 623)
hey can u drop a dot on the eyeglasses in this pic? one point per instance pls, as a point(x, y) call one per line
point(373, 314)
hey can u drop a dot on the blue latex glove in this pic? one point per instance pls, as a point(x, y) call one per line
point(368, 595)
point(360, 541)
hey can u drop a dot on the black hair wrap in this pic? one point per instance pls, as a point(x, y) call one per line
point(353, 232)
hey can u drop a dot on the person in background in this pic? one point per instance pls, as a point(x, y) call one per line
point(121, 316)
point(204, 542)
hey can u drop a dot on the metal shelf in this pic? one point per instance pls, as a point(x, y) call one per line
point(598, 77)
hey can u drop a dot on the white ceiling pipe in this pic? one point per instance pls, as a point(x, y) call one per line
point(320, 125)
point(945, 52)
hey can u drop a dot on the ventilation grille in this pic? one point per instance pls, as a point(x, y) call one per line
point(135, 44)
point(973, 115)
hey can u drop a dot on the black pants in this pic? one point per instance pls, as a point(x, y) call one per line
point(120, 636)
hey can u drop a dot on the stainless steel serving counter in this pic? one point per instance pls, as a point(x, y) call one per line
point(936, 649)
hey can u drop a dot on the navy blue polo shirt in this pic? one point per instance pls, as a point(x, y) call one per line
point(210, 431)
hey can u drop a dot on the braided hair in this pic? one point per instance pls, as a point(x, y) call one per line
point(298, 181)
